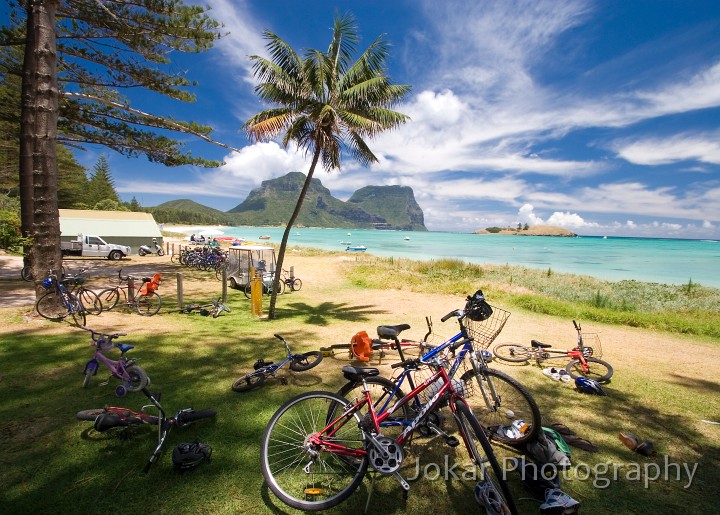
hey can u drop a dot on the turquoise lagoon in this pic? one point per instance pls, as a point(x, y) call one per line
point(659, 260)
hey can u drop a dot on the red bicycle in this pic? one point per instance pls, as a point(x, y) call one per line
point(584, 356)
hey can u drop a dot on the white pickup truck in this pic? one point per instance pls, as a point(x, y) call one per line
point(89, 245)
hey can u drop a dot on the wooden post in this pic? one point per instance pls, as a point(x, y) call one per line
point(180, 290)
point(224, 285)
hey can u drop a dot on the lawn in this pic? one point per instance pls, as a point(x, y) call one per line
point(665, 387)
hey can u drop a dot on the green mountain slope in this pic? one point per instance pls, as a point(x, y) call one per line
point(396, 204)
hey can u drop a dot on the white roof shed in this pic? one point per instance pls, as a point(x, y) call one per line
point(121, 227)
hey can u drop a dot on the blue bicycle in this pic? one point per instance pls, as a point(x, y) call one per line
point(263, 369)
point(503, 406)
point(59, 302)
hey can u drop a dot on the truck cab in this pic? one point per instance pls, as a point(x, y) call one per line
point(89, 245)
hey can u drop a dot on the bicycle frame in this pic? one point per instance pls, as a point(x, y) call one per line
point(116, 367)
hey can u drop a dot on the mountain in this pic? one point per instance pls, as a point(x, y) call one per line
point(185, 211)
point(396, 204)
point(380, 207)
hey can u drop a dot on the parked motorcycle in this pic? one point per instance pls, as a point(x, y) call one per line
point(144, 250)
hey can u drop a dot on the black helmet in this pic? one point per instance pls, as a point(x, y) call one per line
point(477, 308)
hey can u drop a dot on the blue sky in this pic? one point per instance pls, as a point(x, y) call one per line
point(599, 116)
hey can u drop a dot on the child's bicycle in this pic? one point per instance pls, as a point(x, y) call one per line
point(214, 308)
point(263, 369)
point(133, 377)
point(114, 417)
point(585, 356)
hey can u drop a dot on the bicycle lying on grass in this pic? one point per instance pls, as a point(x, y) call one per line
point(502, 405)
point(213, 308)
point(124, 419)
point(133, 377)
point(584, 356)
point(263, 369)
point(317, 447)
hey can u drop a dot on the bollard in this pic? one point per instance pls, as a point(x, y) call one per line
point(180, 290)
point(256, 293)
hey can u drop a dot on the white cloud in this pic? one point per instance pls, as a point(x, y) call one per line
point(568, 219)
point(527, 216)
point(682, 147)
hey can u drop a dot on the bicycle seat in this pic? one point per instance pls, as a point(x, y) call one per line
point(352, 373)
point(124, 347)
point(539, 344)
point(390, 332)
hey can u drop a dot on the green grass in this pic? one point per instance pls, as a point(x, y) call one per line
point(53, 464)
point(686, 309)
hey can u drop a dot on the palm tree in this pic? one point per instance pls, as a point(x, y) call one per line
point(324, 103)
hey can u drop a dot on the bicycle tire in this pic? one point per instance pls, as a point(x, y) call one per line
point(148, 305)
point(248, 382)
point(296, 285)
point(381, 392)
point(500, 401)
point(78, 312)
point(90, 414)
point(248, 291)
point(471, 432)
point(109, 298)
point(26, 273)
point(52, 307)
point(306, 361)
point(193, 415)
point(512, 352)
point(601, 371)
point(90, 301)
point(138, 379)
point(285, 452)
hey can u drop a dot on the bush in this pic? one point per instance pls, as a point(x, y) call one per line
point(10, 238)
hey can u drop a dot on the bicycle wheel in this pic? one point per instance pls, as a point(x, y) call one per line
point(248, 291)
point(26, 273)
point(109, 298)
point(296, 285)
point(484, 461)
point(306, 361)
point(381, 392)
point(90, 414)
point(598, 369)
point(304, 475)
point(90, 301)
point(52, 307)
point(78, 312)
point(512, 352)
point(497, 401)
point(248, 382)
point(138, 379)
point(148, 305)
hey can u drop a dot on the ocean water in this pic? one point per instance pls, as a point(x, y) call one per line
point(668, 261)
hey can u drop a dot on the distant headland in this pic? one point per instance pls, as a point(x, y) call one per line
point(532, 230)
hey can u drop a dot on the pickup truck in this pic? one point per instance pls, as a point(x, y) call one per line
point(93, 246)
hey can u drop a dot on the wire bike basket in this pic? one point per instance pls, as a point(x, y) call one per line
point(484, 332)
point(591, 341)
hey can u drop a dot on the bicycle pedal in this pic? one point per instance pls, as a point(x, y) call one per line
point(452, 441)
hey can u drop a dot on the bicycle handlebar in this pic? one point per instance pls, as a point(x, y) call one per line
point(94, 334)
point(577, 326)
point(456, 312)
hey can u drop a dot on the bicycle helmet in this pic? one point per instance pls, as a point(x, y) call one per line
point(47, 283)
point(558, 502)
point(476, 308)
point(591, 386)
point(487, 496)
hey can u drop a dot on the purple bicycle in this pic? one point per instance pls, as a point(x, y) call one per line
point(133, 377)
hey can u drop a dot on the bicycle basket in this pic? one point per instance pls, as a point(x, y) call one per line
point(591, 342)
point(103, 344)
point(485, 331)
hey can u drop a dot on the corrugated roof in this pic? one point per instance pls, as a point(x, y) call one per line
point(107, 223)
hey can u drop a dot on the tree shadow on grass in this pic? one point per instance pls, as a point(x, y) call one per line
point(327, 312)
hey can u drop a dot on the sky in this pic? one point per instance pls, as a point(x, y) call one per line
point(599, 116)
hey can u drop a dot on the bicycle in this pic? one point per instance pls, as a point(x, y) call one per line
point(89, 299)
point(145, 300)
point(290, 281)
point(133, 377)
point(317, 447)
point(59, 303)
point(584, 362)
point(115, 417)
point(214, 308)
point(263, 369)
point(495, 398)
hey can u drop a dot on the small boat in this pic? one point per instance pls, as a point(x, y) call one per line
point(265, 237)
point(356, 248)
point(346, 243)
point(407, 238)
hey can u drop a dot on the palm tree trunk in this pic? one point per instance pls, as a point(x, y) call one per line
point(286, 234)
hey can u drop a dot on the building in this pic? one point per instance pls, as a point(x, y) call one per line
point(119, 227)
